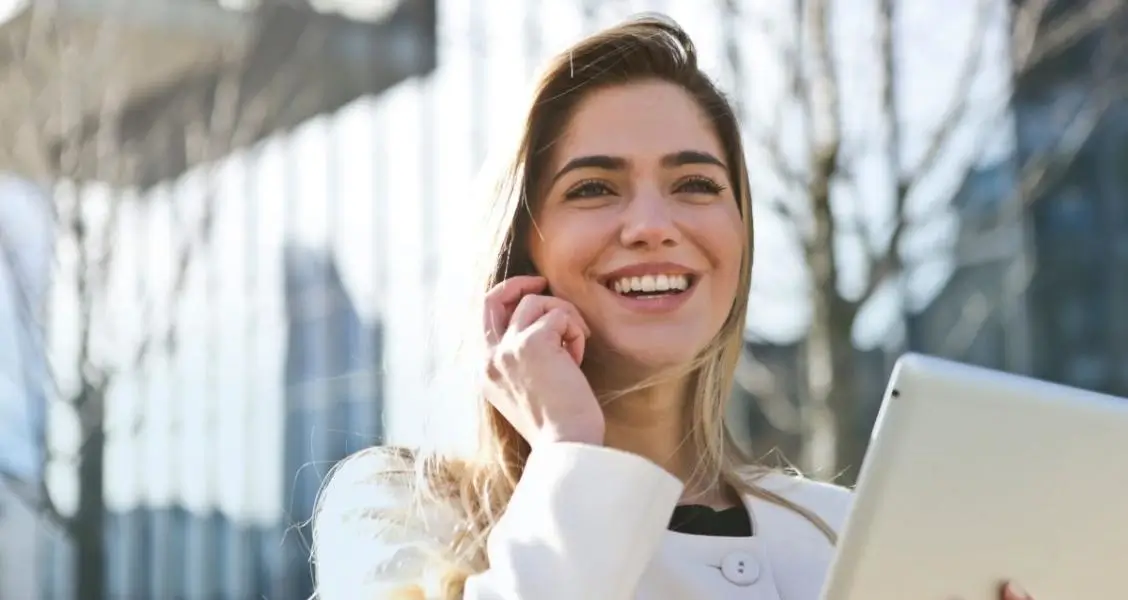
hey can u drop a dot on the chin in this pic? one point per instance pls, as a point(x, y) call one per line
point(652, 354)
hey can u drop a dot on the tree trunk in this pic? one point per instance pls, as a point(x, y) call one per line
point(88, 523)
point(832, 444)
point(819, 423)
point(828, 351)
point(850, 439)
point(818, 418)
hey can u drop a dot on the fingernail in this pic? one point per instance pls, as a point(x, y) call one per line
point(1017, 593)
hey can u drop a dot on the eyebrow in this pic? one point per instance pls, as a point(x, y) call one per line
point(615, 163)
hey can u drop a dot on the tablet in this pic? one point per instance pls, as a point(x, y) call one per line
point(974, 476)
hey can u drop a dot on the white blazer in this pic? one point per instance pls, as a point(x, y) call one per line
point(585, 523)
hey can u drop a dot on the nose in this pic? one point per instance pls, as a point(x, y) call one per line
point(648, 222)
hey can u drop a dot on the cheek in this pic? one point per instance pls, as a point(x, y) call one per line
point(563, 248)
point(725, 238)
point(725, 242)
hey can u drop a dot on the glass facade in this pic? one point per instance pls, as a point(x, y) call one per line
point(311, 324)
point(306, 328)
point(978, 315)
point(1065, 322)
point(25, 258)
point(1078, 292)
point(333, 394)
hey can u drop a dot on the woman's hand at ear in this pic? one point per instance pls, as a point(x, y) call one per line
point(535, 346)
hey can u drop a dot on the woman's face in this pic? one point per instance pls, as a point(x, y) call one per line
point(639, 228)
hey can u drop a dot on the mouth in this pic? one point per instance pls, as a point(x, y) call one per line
point(652, 287)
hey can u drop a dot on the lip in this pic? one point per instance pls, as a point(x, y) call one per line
point(650, 268)
point(654, 305)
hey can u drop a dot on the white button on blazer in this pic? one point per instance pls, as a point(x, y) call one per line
point(585, 523)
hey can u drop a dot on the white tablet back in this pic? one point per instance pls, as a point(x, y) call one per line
point(975, 476)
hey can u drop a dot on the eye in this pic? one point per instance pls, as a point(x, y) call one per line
point(699, 185)
point(589, 189)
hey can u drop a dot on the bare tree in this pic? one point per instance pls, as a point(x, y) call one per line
point(78, 126)
point(822, 192)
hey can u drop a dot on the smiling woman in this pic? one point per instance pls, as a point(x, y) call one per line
point(612, 318)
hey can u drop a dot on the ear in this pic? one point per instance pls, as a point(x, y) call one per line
point(515, 268)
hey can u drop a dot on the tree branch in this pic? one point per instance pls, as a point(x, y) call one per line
point(769, 139)
point(824, 116)
point(54, 136)
point(1042, 169)
point(1026, 19)
point(890, 110)
point(977, 310)
point(233, 118)
point(823, 86)
point(731, 26)
point(885, 264)
point(825, 120)
point(1033, 42)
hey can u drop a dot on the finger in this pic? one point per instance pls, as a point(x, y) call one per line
point(533, 307)
point(1012, 591)
point(503, 299)
point(574, 340)
point(563, 330)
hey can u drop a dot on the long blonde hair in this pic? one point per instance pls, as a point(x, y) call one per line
point(479, 488)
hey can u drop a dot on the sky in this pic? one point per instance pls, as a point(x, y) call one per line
point(417, 149)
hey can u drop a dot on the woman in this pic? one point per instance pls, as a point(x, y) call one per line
point(613, 313)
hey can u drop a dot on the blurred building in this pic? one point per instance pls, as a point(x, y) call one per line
point(1043, 281)
point(25, 258)
point(980, 315)
point(1079, 225)
point(332, 401)
point(157, 73)
point(172, 552)
point(276, 371)
point(334, 396)
point(19, 546)
point(342, 184)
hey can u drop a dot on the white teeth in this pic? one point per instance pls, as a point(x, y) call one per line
point(651, 283)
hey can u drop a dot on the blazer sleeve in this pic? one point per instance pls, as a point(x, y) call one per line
point(583, 522)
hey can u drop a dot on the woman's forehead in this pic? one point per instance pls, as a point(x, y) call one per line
point(644, 121)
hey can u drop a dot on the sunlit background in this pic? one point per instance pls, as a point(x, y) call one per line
point(231, 234)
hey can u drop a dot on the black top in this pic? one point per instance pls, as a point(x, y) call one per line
point(697, 519)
